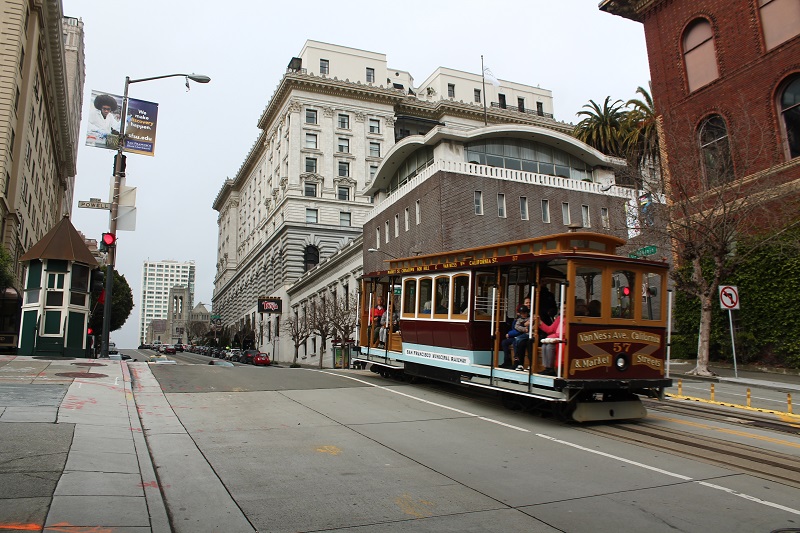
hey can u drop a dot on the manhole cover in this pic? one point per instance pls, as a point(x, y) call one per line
point(53, 358)
point(89, 364)
point(80, 375)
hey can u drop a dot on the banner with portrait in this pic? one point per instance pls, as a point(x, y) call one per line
point(104, 116)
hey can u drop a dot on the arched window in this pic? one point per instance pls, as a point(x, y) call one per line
point(310, 257)
point(699, 55)
point(780, 21)
point(790, 116)
point(716, 151)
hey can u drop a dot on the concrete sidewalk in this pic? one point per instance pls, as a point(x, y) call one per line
point(758, 378)
point(73, 455)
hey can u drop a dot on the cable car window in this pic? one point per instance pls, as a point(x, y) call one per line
point(441, 303)
point(651, 296)
point(409, 298)
point(425, 300)
point(460, 296)
point(588, 291)
point(484, 281)
point(622, 296)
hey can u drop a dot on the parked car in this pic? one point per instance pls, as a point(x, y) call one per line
point(247, 356)
point(144, 346)
point(169, 349)
point(261, 359)
point(179, 347)
point(234, 355)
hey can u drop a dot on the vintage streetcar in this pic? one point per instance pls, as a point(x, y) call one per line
point(599, 316)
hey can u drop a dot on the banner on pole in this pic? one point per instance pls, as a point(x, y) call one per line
point(140, 127)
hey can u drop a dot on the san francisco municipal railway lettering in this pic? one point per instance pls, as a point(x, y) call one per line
point(615, 335)
point(457, 359)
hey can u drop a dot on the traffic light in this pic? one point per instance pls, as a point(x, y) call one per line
point(89, 331)
point(626, 291)
point(98, 280)
point(108, 240)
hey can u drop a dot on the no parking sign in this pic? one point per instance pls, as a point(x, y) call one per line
point(728, 297)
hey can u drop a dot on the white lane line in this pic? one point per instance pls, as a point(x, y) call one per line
point(579, 447)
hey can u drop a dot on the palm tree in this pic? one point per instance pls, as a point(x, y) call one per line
point(602, 126)
point(640, 140)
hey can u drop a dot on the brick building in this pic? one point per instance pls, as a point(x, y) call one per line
point(726, 83)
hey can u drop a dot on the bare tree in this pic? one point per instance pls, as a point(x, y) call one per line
point(198, 329)
point(715, 197)
point(297, 328)
point(319, 321)
point(344, 317)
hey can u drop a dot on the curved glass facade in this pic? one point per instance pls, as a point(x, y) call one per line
point(528, 156)
point(411, 166)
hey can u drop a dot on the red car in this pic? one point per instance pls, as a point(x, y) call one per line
point(169, 349)
point(261, 359)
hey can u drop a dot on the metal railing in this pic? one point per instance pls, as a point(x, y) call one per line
point(522, 110)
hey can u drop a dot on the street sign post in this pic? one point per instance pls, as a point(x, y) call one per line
point(94, 203)
point(644, 251)
point(729, 299)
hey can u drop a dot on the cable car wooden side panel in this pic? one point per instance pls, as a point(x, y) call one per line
point(448, 316)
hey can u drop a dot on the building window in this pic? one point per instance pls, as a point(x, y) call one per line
point(501, 205)
point(477, 94)
point(540, 109)
point(310, 257)
point(344, 218)
point(521, 105)
point(502, 100)
point(585, 221)
point(310, 189)
point(406, 218)
point(478, 202)
point(546, 211)
point(344, 122)
point(523, 208)
point(377, 237)
point(370, 75)
point(344, 145)
point(715, 150)
point(311, 165)
point(790, 113)
point(311, 116)
point(604, 220)
point(699, 54)
point(373, 170)
point(418, 213)
point(386, 231)
point(375, 149)
point(374, 125)
point(324, 66)
point(397, 225)
point(343, 193)
point(344, 169)
point(311, 216)
point(780, 21)
point(565, 213)
point(311, 140)
point(451, 90)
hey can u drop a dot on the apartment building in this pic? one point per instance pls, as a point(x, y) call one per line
point(42, 69)
point(167, 295)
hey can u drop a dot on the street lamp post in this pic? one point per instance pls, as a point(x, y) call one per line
point(119, 173)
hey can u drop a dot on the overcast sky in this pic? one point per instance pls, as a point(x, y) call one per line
point(568, 47)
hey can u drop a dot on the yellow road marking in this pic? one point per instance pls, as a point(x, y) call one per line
point(412, 508)
point(727, 431)
point(785, 416)
point(333, 450)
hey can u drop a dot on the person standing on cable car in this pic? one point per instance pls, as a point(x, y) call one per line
point(377, 313)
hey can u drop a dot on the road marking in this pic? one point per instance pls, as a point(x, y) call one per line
point(728, 431)
point(579, 447)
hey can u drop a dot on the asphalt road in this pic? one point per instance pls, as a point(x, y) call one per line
point(308, 450)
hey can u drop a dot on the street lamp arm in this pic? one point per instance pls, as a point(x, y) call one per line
point(199, 78)
point(373, 250)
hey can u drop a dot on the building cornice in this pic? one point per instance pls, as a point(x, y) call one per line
point(630, 9)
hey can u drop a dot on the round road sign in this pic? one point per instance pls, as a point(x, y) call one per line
point(728, 297)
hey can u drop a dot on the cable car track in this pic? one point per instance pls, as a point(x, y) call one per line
point(776, 466)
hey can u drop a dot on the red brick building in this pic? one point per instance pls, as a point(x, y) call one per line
point(726, 82)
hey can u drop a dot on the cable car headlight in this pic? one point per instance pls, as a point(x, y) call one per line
point(622, 362)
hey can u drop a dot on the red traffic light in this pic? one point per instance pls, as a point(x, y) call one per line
point(626, 291)
point(89, 331)
point(109, 239)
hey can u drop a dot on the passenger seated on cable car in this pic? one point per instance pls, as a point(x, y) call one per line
point(519, 330)
point(580, 307)
point(595, 308)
